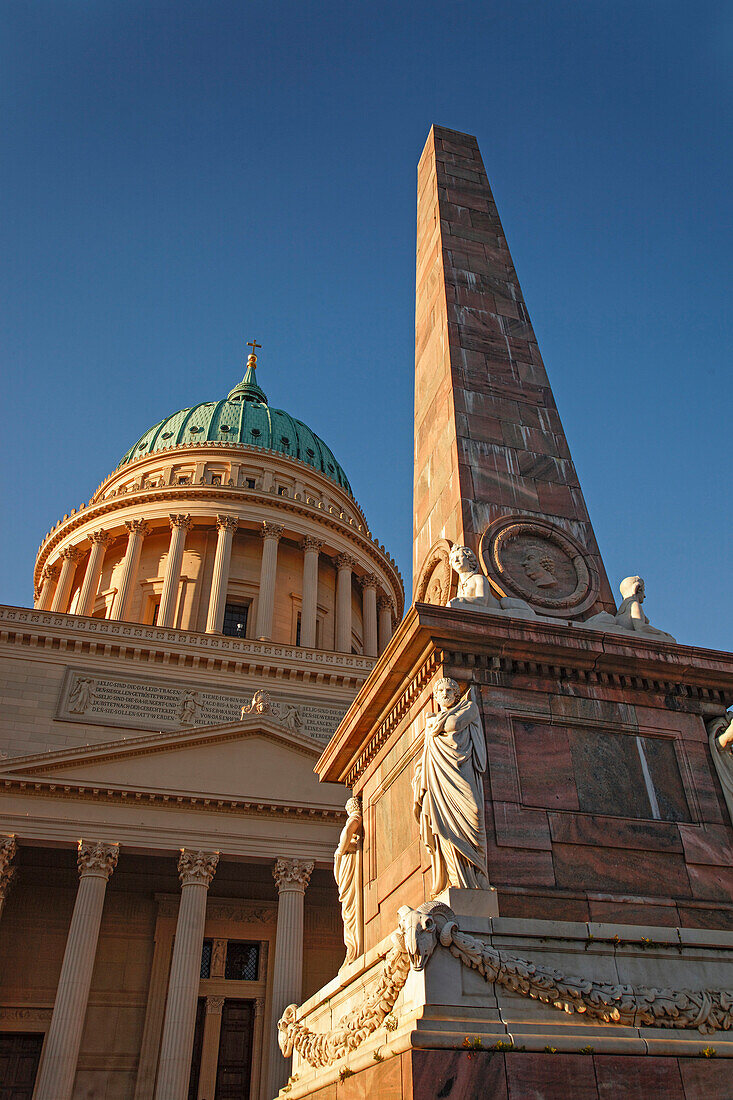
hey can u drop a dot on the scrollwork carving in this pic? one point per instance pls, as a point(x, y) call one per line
point(271, 531)
point(94, 857)
point(197, 868)
point(292, 874)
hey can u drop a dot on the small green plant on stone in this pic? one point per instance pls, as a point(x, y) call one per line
point(390, 1022)
point(344, 1073)
point(377, 1056)
point(708, 1052)
point(472, 1045)
point(501, 1045)
point(550, 1050)
point(587, 1050)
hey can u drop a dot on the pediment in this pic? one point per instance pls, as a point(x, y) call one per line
point(254, 760)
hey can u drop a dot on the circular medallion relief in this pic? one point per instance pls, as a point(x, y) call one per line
point(435, 579)
point(537, 561)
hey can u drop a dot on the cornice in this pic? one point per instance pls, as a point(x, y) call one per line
point(172, 648)
point(181, 497)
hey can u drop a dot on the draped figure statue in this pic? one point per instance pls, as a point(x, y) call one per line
point(347, 872)
point(448, 798)
point(720, 733)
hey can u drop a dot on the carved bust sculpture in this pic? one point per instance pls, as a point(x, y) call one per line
point(630, 616)
point(448, 798)
point(474, 592)
point(347, 872)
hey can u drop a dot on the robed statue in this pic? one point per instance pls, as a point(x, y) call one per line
point(347, 872)
point(448, 791)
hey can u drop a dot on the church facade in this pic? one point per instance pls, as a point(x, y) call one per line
point(200, 627)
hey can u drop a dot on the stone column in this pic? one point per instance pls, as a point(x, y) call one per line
point(345, 566)
point(8, 848)
point(369, 610)
point(311, 549)
point(69, 558)
point(169, 597)
point(226, 526)
point(210, 1048)
point(137, 529)
point(256, 1082)
point(196, 870)
point(48, 583)
point(90, 584)
point(292, 876)
point(385, 605)
point(96, 862)
point(270, 534)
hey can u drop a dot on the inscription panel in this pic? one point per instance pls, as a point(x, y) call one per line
point(155, 705)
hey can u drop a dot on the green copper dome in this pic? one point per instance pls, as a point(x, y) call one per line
point(243, 417)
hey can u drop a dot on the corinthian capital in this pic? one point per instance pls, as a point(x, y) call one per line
point(271, 531)
point(96, 858)
point(100, 536)
point(292, 874)
point(227, 523)
point(180, 521)
point(137, 525)
point(50, 573)
point(197, 868)
point(8, 848)
point(384, 603)
point(311, 543)
point(71, 553)
point(369, 580)
point(345, 561)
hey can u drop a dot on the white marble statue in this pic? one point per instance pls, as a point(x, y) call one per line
point(347, 872)
point(448, 796)
point(474, 591)
point(720, 731)
point(630, 616)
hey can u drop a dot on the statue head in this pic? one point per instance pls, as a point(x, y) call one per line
point(261, 702)
point(446, 692)
point(539, 566)
point(421, 928)
point(632, 586)
point(463, 560)
point(353, 807)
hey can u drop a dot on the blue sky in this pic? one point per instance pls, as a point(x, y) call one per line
point(180, 177)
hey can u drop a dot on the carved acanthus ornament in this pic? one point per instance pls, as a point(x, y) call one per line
point(50, 572)
point(292, 874)
point(385, 603)
point(271, 531)
point(183, 521)
point(100, 536)
point(71, 553)
point(214, 1005)
point(369, 580)
point(8, 849)
point(345, 561)
point(96, 858)
point(196, 868)
point(228, 523)
point(310, 543)
point(420, 931)
point(138, 526)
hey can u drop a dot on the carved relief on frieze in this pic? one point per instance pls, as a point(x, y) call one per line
point(536, 561)
point(435, 581)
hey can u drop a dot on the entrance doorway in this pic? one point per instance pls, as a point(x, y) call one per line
point(235, 1051)
point(19, 1058)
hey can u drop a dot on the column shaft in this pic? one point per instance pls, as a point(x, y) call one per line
point(171, 581)
point(271, 533)
point(90, 584)
point(369, 611)
point(226, 526)
point(210, 1048)
point(311, 548)
point(48, 582)
point(292, 877)
point(61, 598)
point(196, 871)
point(61, 1051)
point(345, 566)
point(136, 532)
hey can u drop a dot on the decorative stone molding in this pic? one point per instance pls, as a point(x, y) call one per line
point(138, 525)
point(271, 531)
point(385, 603)
point(97, 858)
point(311, 543)
point(71, 553)
point(345, 561)
point(369, 580)
point(214, 1005)
point(435, 577)
point(196, 868)
point(183, 521)
point(8, 850)
point(101, 536)
point(292, 874)
point(229, 523)
point(50, 572)
point(417, 936)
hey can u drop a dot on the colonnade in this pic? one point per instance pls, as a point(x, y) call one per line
point(378, 608)
point(96, 861)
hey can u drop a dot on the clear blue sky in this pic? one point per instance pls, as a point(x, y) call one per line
point(180, 177)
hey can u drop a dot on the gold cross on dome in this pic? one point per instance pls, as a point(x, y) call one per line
point(254, 345)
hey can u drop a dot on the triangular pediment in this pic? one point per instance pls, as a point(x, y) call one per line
point(254, 760)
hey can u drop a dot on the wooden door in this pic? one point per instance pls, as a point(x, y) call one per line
point(19, 1058)
point(235, 1051)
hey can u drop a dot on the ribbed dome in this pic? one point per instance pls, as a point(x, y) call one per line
point(242, 417)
